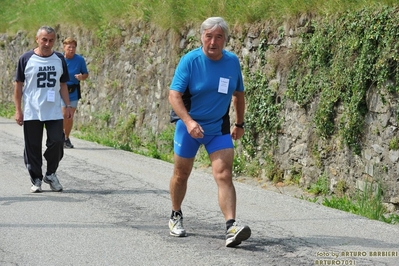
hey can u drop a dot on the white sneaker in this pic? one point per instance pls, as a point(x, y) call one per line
point(236, 234)
point(52, 180)
point(176, 226)
point(36, 187)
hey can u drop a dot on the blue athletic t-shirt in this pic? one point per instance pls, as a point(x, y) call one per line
point(76, 65)
point(211, 84)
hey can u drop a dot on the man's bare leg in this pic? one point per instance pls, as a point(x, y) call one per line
point(222, 165)
point(178, 188)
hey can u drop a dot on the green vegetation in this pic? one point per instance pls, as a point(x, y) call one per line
point(310, 199)
point(341, 187)
point(296, 177)
point(263, 106)
point(169, 14)
point(271, 170)
point(367, 203)
point(341, 59)
point(123, 137)
point(321, 186)
point(239, 163)
point(394, 143)
point(7, 109)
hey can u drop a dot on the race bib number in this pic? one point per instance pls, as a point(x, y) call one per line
point(223, 85)
point(51, 96)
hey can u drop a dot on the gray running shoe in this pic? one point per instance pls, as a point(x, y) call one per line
point(236, 234)
point(68, 144)
point(176, 226)
point(52, 180)
point(36, 187)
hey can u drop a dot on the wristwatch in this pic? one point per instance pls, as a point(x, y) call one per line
point(240, 125)
point(69, 106)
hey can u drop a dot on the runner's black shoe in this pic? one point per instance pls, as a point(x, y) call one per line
point(68, 144)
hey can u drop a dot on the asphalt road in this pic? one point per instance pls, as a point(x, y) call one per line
point(115, 207)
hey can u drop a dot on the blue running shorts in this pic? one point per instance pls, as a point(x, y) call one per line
point(186, 146)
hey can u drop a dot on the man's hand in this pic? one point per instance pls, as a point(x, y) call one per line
point(68, 112)
point(195, 130)
point(237, 133)
point(19, 118)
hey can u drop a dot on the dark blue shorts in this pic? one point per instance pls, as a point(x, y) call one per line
point(186, 146)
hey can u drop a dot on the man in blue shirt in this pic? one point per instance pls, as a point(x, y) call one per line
point(205, 82)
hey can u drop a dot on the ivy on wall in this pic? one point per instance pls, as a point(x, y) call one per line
point(262, 106)
point(339, 61)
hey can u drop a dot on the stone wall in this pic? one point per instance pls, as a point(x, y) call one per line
point(130, 73)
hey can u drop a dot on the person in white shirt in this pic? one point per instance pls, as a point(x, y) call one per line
point(40, 84)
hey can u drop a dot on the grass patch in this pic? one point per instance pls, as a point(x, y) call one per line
point(320, 187)
point(394, 143)
point(169, 14)
point(7, 109)
point(367, 203)
point(154, 146)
